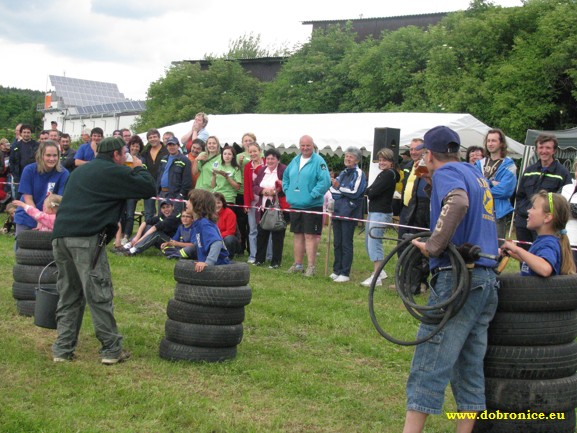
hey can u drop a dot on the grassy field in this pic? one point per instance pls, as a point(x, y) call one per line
point(310, 360)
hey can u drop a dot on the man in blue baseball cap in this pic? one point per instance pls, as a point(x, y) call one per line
point(461, 212)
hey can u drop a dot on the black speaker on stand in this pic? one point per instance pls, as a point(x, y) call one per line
point(386, 138)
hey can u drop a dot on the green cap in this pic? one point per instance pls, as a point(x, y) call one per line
point(109, 144)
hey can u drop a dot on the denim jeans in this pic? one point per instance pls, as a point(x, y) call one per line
point(456, 353)
point(129, 217)
point(149, 208)
point(343, 232)
point(375, 246)
point(252, 232)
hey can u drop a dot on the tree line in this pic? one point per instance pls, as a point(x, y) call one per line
point(513, 68)
point(19, 106)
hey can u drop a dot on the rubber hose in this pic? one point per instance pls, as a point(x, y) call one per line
point(437, 314)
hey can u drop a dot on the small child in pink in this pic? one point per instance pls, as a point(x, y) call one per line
point(46, 217)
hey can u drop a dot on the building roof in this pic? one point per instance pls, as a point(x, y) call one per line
point(365, 27)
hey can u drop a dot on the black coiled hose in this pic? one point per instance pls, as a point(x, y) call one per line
point(405, 280)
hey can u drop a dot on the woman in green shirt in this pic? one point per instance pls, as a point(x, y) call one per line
point(227, 176)
point(206, 162)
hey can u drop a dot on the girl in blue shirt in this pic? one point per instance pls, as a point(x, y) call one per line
point(550, 254)
point(210, 248)
point(45, 176)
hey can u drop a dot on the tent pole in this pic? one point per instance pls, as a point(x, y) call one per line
point(328, 245)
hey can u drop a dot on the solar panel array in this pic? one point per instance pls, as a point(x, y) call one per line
point(75, 92)
point(113, 107)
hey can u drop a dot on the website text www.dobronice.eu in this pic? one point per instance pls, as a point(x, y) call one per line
point(498, 415)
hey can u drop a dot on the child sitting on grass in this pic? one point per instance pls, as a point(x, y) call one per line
point(154, 232)
point(9, 223)
point(210, 249)
point(550, 254)
point(46, 217)
point(175, 248)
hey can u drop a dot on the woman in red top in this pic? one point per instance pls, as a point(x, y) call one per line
point(227, 225)
point(251, 169)
point(268, 187)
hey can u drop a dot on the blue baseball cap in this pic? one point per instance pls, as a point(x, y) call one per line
point(441, 139)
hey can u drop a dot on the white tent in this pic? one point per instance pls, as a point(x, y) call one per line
point(336, 131)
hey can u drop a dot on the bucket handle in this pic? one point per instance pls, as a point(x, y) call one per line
point(42, 273)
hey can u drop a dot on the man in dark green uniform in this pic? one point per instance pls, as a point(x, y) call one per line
point(87, 220)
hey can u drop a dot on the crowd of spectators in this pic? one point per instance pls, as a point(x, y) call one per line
point(246, 180)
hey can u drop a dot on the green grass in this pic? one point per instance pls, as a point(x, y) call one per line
point(310, 360)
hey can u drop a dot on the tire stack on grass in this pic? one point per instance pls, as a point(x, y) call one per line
point(34, 253)
point(531, 359)
point(205, 317)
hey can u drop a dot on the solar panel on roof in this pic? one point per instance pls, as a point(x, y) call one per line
point(77, 92)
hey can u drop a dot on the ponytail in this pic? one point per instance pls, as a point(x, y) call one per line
point(567, 263)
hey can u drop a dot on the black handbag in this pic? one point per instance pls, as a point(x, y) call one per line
point(272, 219)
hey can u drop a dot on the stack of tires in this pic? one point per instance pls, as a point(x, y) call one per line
point(531, 359)
point(34, 253)
point(205, 317)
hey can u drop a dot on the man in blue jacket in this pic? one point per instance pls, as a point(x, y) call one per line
point(501, 174)
point(174, 175)
point(305, 182)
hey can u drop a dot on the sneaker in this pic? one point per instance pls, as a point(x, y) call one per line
point(368, 281)
point(251, 260)
point(274, 266)
point(121, 358)
point(124, 240)
point(342, 279)
point(296, 268)
point(257, 264)
point(310, 271)
point(382, 275)
point(333, 276)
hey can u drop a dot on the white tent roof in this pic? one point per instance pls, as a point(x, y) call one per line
point(334, 132)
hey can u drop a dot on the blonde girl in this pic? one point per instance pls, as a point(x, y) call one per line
point(550, 254)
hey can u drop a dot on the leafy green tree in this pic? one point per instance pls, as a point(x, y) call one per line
point(225, 88)
point(314, 79)
point(19, 106)
point(387, 74)
point(535, 87)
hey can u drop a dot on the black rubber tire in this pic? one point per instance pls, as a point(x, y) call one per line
point(531, 362)
point(229, 297)
point(31, 273)
point(533, 329)
point(192, 334)
point(27, 291)
point(203, 314)
point(26, 308)
point(35, 240)
point(26, 256)
point(515, 395)
point(566, 425)
point(527, 294)
point(235, 274)
point(181, 352)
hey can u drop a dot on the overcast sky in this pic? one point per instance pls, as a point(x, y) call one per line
point(132, 42)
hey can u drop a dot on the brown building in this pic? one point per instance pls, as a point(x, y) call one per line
point(365, 27)
point(266, 68)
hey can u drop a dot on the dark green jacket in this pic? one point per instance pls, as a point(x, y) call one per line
point(95, 194)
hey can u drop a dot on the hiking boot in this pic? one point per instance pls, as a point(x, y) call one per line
point(296, 269)
point(120, 358)
point(310, 271)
